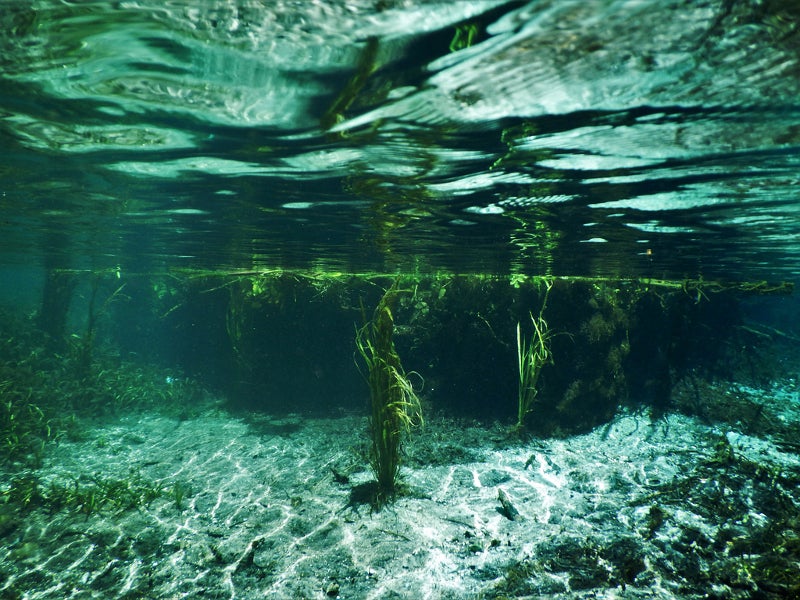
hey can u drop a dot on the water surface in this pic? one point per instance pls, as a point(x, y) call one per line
point(609, 137)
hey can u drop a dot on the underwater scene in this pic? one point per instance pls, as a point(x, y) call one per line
point(388, 299)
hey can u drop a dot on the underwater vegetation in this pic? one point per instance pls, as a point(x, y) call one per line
point(394, 404)
point(740, 539)
point(584, 347)
point(47, 396)
point(88, 494)
point(532, 355)
point(24, 428)
point(282, 340)
point(755, 548)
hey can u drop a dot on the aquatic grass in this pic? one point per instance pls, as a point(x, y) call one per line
point(88, 494)
point(395, 406)
point(24, 427)
point(23, 491)
point(179, 491)
point(47, 396)
point(532, 355)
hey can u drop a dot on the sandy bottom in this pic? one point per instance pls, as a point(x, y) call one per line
point(261, 507)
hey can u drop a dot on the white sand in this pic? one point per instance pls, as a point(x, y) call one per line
point(265, 517)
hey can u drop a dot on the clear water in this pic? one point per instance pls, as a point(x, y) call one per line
point(181, 418)
point(637, 138)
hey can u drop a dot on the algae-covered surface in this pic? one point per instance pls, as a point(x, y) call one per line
point(254, 506)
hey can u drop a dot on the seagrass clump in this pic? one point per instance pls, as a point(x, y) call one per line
point(394, 406)
point(533, 353)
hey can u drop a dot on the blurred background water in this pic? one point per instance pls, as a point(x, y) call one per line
point(605, 138)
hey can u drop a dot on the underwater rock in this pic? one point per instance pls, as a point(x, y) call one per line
point(507, 508)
